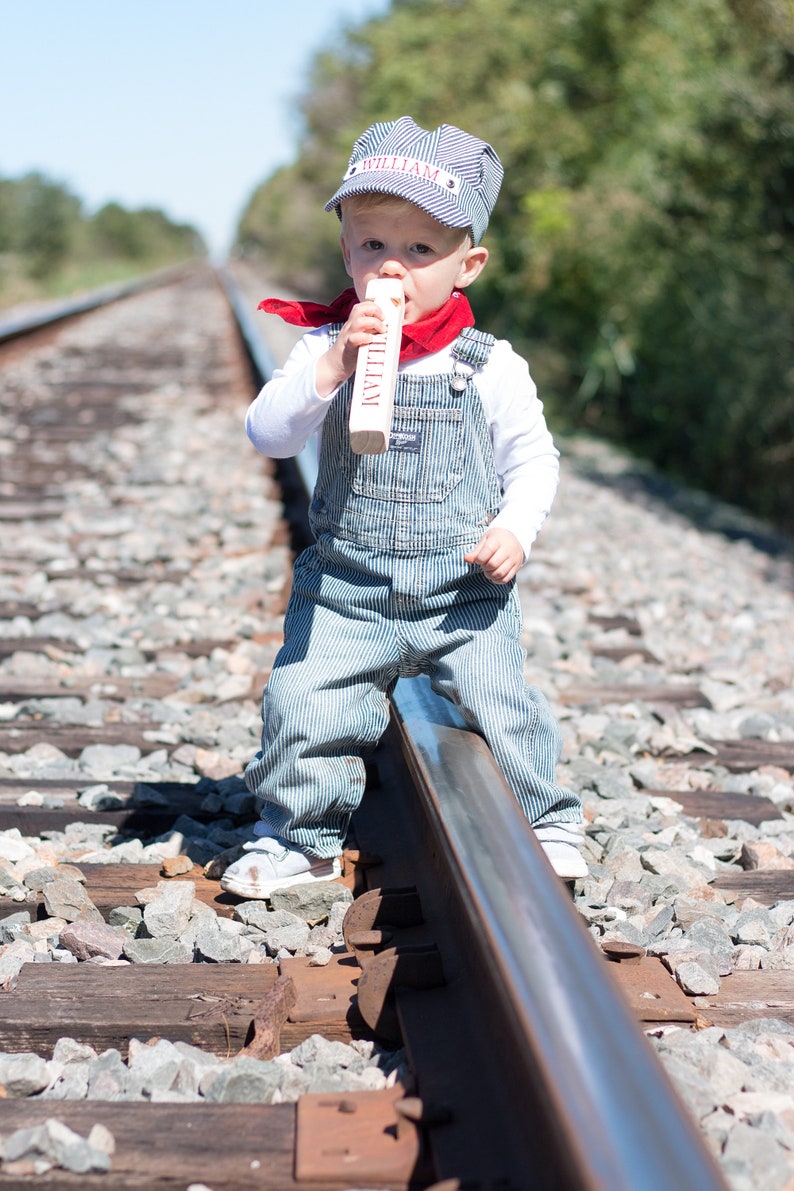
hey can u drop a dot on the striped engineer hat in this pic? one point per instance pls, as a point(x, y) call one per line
point(452, 175)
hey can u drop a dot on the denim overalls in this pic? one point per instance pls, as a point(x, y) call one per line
point(384, 593)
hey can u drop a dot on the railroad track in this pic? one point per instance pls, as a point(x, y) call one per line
point(134, 546)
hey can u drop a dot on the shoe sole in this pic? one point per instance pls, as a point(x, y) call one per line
point(261, 890)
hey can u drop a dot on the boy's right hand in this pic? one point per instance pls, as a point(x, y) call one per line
point(339, 362)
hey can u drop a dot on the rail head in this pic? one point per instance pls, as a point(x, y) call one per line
point(611, 1105)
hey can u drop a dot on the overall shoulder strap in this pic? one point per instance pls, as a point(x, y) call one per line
point(473, 347)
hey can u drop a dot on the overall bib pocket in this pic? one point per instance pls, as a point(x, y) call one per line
point(409, 471)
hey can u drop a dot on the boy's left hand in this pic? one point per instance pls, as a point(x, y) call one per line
point(499, 554)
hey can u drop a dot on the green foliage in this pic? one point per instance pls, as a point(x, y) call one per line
point(46, 239)
point(45, 218)
point(641, 249)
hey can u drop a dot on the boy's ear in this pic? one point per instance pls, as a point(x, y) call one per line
point(471, 266)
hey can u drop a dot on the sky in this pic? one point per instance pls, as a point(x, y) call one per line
point(185, 105)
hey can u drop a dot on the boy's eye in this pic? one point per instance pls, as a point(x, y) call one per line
point(422, 249)
point(373, 245)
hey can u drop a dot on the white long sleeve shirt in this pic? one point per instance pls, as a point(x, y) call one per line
point(289, 410)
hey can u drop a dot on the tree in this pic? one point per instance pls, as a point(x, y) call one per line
point(641, 248)
point(47, 215)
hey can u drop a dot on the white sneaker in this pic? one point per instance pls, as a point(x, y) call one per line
point(271, 863)
point(561, 843)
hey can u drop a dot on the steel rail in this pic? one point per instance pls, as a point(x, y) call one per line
point(16, 326)
point(616, 1117)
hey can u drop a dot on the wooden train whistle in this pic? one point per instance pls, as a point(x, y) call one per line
point(376, 373)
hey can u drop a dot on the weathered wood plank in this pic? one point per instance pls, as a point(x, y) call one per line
point(150, 686)
point(628, 624)
point(137, 815)
point(110, 885)
point(744, 996)
point(12, 645)
point(38, 510)
point(167, 1147)
point(764, 885)
point(620, 653)
point(71, 739)
point(743, 756)
point(211, 1006)
point(207, 1005)
point(722, 804)
point(580, 694)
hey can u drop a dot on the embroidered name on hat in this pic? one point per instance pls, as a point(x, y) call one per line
point(398, 164)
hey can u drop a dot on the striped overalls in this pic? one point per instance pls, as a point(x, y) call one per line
point(384, 593)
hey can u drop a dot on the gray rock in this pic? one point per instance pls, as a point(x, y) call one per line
point(99, 798)
point(782, 913)
point(781, 961)
point(248, 1080)
point(756, 1157)
point(168, 914)
point(37, 878)
point(754, 928)
point(65, 898)
point(624, 865)
point(157, 951)
point(723, 1071)
point(10, 925)
point(71, 1084)
point(291, 938)
point(69, 1050)
point(759, 1027)
point(710, 935)
point(129, 918)
point(145, 795)
point(87, 938)
point(626, 932)
point(23, 1074)
point(152, 1067)
point(217, 947)
point(108, 1077)
point(611, 783)
point(257, 914)
point(691, 1087)
point(312, 902)
point(630, 896)
point(239, 803)
point(674, 865)
point(318, 1050)
point(194, 1064)
point(748, 959)
point(106, 761)
point(696, 980)
point(660, 923)
point(54, 1144)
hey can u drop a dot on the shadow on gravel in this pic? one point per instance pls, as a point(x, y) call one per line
point(639, 483)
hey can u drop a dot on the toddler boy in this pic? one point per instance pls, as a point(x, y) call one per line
point(416, 550)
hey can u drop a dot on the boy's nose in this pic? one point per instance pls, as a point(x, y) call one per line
point(392, 268)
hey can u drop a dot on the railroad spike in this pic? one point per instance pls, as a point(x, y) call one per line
point(383, 909)
point(408, 967)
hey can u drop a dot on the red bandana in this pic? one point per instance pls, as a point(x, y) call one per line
point(430, 334)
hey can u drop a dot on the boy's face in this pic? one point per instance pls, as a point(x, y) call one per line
point(401, 240)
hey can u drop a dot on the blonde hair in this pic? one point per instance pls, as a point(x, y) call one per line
point(370, 200)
